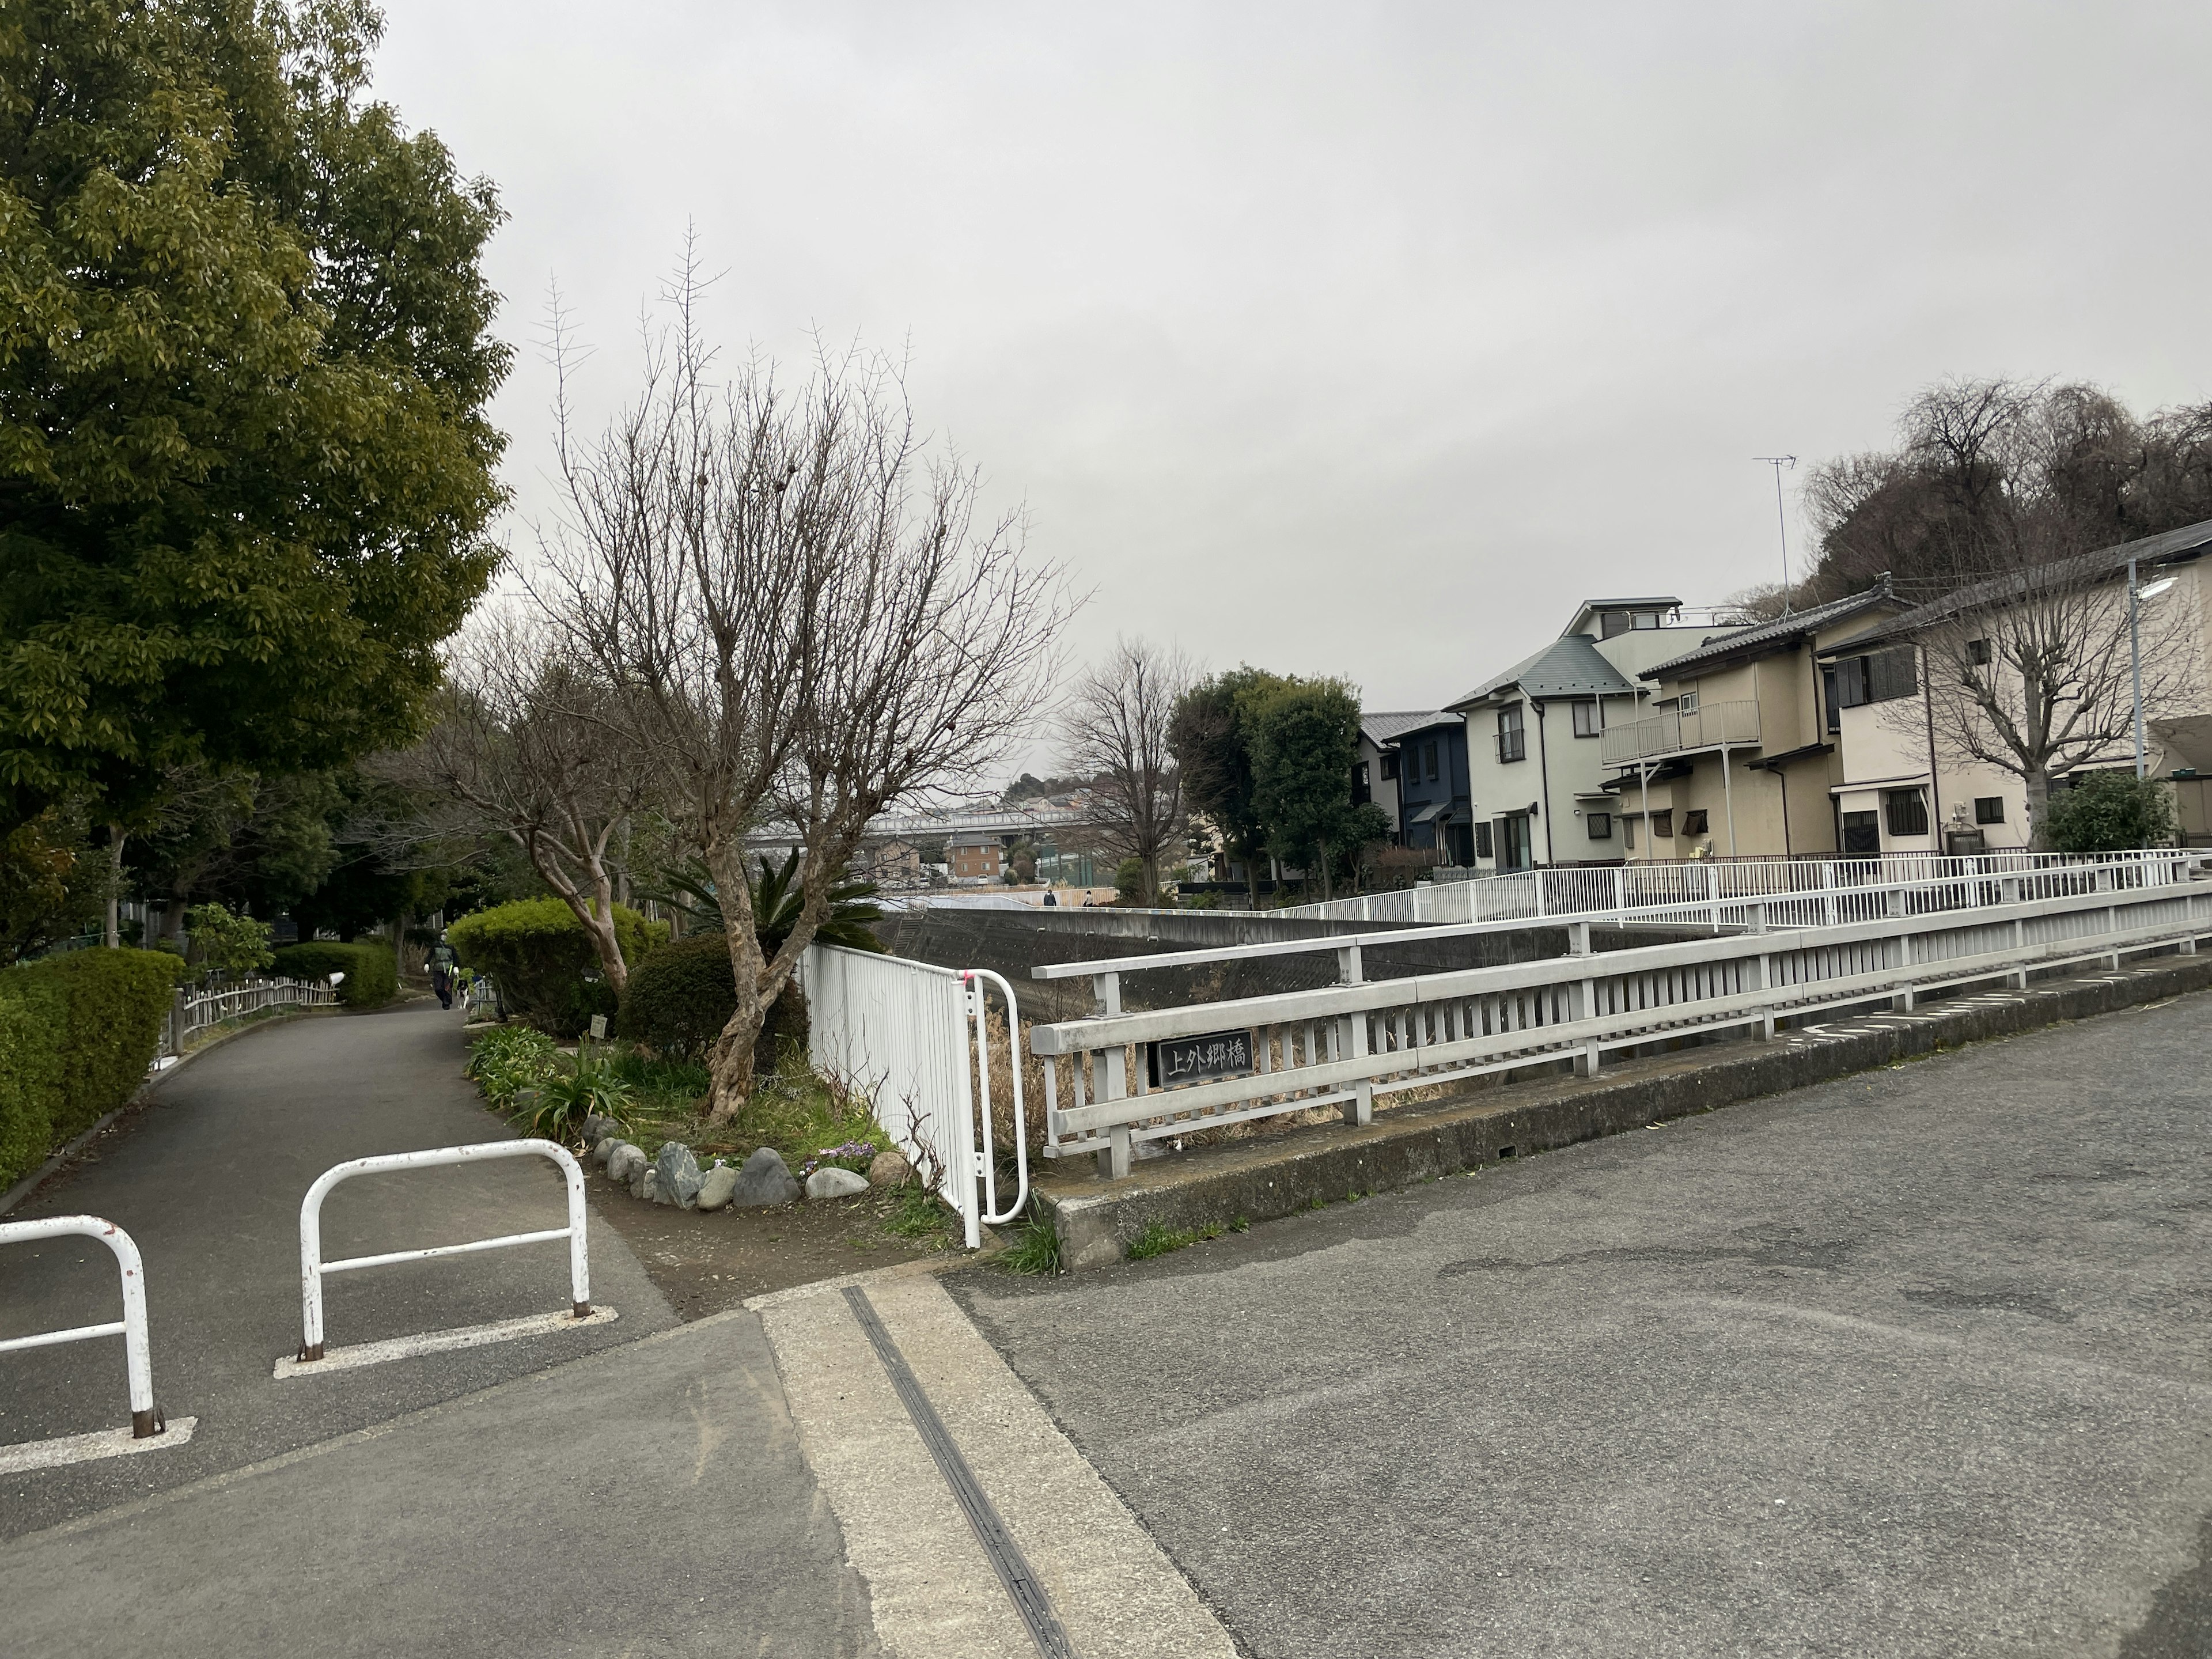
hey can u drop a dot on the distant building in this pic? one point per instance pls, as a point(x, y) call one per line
point(1433, 806)
point(974, 857)
point(1374, 774)
point(892, 864)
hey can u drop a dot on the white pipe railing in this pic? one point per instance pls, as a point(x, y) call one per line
point(1577, 889)
point(138, 1352)
point(992, 1215)
point(1342, 1045)
point(312, 1267)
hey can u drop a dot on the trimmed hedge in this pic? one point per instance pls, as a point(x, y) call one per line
point(76, 1035)
point(372, 974)
point(536, 952)
point(683, 994)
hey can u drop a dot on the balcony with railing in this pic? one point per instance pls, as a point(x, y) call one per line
point(1675, 732)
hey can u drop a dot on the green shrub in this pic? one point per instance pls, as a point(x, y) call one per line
point(372, 975)
point(559, 1106)
point(76, 1035)
point(508, 1059)
point(682, 996)
point(230, 943)
point(535, 951)
point(2110, 812)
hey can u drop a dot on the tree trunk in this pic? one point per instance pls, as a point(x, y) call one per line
point(1327, 885)
point(1252, 876)
point(731, 1061)
point(2038, 780)
point(112, 935)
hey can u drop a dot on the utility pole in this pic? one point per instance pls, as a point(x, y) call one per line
point(1781, 518)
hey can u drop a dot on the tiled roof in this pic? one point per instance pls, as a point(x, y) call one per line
point(1776, 632)
point(2163, 548)
point(1380, 729)
point(1570, 666)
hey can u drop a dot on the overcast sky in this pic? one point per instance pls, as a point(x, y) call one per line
point(1349, 339)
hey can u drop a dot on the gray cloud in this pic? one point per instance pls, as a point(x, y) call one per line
point(1359, 340)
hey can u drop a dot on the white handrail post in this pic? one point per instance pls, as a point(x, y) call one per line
point(312, 1267)
point(977, 976)
point(138, 1351)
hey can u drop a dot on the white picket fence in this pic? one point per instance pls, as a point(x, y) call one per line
point(194, 1011)
point(1789, 952)
point(1540, 895)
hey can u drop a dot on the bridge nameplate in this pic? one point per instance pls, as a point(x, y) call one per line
point(1173, 1061)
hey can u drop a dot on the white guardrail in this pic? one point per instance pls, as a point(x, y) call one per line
point(137, 1354)
point(908, 1036)
point(1108, 1080)
point(313, 1268)
point(1581, 890)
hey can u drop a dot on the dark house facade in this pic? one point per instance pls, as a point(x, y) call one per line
point(1434, 807)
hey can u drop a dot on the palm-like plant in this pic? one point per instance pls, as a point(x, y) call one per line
point(777, 898)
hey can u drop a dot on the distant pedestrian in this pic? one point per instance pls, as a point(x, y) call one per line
point(1048, 898)
point(442, 961)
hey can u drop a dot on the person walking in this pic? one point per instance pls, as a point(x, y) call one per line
point(442, 961)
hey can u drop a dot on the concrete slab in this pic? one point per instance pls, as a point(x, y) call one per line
point(647, 1501)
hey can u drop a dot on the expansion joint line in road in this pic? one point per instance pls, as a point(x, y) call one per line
point(1007, 1560)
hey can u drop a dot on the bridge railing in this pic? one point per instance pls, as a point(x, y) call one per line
point(1778, 957)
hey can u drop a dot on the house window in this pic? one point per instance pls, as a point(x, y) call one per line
point(1978, 652)
point(1693, 822)
point(1989, 809)
point(1880, 678)
point(1429, 750)
point(1600, 825)
point(1610, 622)
point(1662, 825)
point(1628, 835)
point(1828, 696)
point(1389, 765)
point(1362, 792)
point(1482, 839)
point(1647, 620)
point(1588, 722)
point(1861, 835)
point(1687, 703)
point(1511, 743)
point(1907, 811)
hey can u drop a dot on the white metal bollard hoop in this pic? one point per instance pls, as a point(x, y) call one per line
point(313, 1267)
point(973, 978)
point(137, 1358)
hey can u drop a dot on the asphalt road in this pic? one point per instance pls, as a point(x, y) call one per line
point(1912, 1363)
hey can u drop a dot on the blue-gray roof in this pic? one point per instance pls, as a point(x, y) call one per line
point(1570, 666)
point(1380, 728)
point(1777, 633)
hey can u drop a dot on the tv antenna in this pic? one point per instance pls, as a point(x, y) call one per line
point(1781, 518)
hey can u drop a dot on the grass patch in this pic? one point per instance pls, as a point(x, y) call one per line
point(1038, 1250)
point(920, 1217)
point(1158, 1238)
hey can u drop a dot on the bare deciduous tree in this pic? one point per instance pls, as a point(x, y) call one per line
point(1115, 730)
point(805, 620)
point(2031, 671)
point(527, 749)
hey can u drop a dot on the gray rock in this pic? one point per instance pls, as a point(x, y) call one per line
point(889, 1170)
point(830, 1181)
point(716, 1185)
point(646, 1185)
point(624, 1162)
point(764, 1178)
point(679, 1175)
point(604, 1149)
point(598, 1128)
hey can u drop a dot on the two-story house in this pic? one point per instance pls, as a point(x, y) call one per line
point(1737, 754)
point(1434, 810)
point(1903, 787)
point(1375, 773)
point(1536, 776)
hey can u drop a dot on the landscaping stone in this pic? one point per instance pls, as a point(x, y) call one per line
point(764, 1178)
point(834, 1182)
point(678, 1171)
point(603, 1149)
point(716, 1186)
point(598, 1128)
point(624, 1163)
point(889, 1170)
point(646, 1185)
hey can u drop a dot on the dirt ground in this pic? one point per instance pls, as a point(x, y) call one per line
point(705, 1263)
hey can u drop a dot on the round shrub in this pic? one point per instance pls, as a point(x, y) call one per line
point(372, 976)
point(682, 996)
point(535, 951)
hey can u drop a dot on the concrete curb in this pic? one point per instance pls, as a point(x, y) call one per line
point(54, 1166)
point(1258, 1181)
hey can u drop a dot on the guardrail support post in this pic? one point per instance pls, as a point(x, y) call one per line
point(1352, 1038)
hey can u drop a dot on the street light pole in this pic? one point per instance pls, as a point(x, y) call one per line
point(2134, 662)
point(1781, 518)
